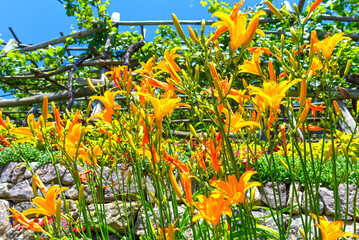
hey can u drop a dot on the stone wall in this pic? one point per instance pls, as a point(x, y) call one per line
point(16, 190)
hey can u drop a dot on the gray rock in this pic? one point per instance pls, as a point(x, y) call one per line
point(306, 206)
point(73, 193)
point(23, 234)
point(115, 218)
point(273, 196)
point(47, 173)
point(4, 189)
point(328, 199)
point(5, 224)
point(350, 228)
point(344, 201)
point(293, 190)
point(21, 192)
point(67, 179)
point(6, 174)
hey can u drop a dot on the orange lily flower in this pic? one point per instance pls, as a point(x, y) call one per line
point(331, 231)
point(187, 186)
point(56, 111)
point(233, 15)
point(90, 157)
point(212, 208)
point(224, 88)
point(328, 44)
point(47, 205)
point(316, 64)
point(158, 84)
point(312, 8)
point(317, 108)
point(2, 122)
point(169, 233)
point(108, 99)
point(311, 128)
point(215, 153)
point(235, 190)
point(174, 160)
point(236, 122)
point(240, 34)
point(39, 183)
point(147, 67)
point(252, 66)
point(273, 92)
point(20, 217)
point(163, 106)
point(31, 132)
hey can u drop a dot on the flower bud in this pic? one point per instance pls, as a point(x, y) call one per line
point(274, 10)
point(193, 35)
point(178, 27)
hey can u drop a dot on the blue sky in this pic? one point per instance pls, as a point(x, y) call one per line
point(41, 20)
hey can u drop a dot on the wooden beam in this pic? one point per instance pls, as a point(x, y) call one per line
point(56, 41)
point(82, 92)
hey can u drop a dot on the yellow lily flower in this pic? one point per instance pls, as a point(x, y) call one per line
point(273, 92)
point(331, 231)
point(47, 206)
point(108, 99)
point(233, 189)
point(236, 122)
point(240, 34)
point(39, 183)
point(212, 208)
point(163, 106)
point(328, 44)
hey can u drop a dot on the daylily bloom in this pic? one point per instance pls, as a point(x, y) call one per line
point(90, 156)
point(212, 208)
point(2, 122)
point(235, 122)
point(47, 206)
point(311, 128)
point(233, 189)
point(158, 84)
point(252, 66)
point(30, 224)
point(169, 65)
point(273, 92)
point(108, 99)
point(174, 160)
point(328, 44)
point(122, 76)
point(236, 23)
point(215, 153)
point(31, 132)
point(147, 68)
point(317, 108)
point(316, 64)
point(169, 233)
point(313, 41)
point(163, 106)
point(39, 183)
point(331, 231)
point(233, 15)
point(312, 8)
